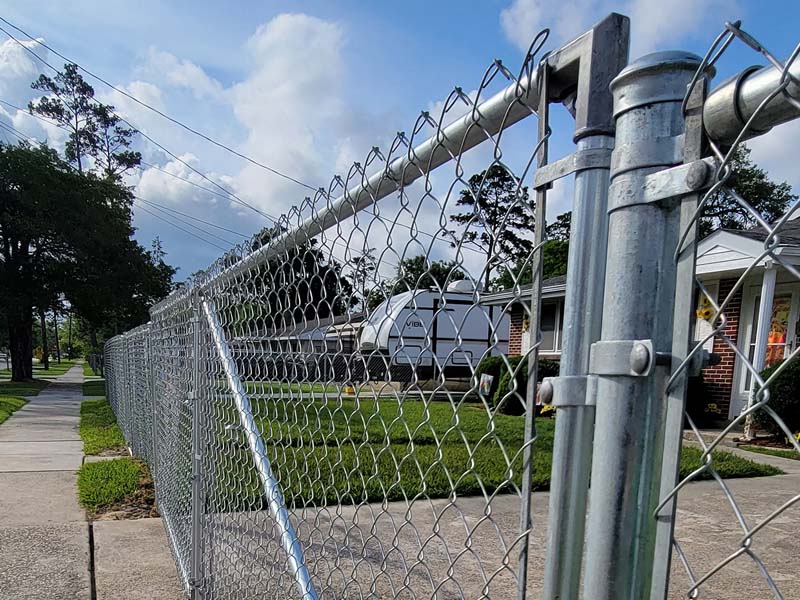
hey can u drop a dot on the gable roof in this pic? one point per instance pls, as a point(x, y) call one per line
point(554, 287)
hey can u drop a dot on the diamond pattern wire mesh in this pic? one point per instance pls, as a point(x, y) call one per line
point(319, 374)
point(705, 572)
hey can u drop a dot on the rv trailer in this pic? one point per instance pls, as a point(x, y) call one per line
point(427, 332)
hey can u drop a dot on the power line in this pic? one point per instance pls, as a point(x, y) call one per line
point(23, 137)
point(188, 216)
point(160, 113)
point(147, 137)
point(202, 239)
point(178, 216)
point(226, 196)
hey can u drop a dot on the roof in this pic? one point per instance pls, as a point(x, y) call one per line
point(554, 287)
point(789, 233)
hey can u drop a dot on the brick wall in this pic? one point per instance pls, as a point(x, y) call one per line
point(515, 331)
point(719, 378)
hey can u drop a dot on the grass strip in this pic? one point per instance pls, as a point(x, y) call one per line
point(8, 405)
point(96, 387)
point(98, 428)
point(23, 388)
point(102, 484)
point(788, 453)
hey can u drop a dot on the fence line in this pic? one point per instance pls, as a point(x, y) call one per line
point(315, 431)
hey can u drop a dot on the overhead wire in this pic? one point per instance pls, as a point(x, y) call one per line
point(159, 112)
point(226, 193)
point(149, 138)
point(9, 128)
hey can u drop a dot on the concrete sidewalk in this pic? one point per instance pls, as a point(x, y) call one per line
point(44, 537)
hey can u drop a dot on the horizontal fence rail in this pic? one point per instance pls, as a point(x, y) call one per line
point(359, 401)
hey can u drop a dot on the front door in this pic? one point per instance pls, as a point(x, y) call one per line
point(781, 338)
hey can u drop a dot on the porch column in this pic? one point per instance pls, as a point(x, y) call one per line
point(762, 332)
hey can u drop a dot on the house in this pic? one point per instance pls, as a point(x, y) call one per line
point(722, 259)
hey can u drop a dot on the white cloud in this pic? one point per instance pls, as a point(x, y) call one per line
point(655, 24)
point(18, 69)
point(170, 187)
point(290, 104)
point(181, 73)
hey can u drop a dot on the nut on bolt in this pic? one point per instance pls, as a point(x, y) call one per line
point(640, 358)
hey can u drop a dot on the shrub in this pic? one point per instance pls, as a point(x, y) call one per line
point(510, 400)
point(494, 366)
point(784, 399)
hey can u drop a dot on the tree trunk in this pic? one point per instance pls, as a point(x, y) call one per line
point(93, 339)
point(69, 335)
point(45, 345)
point(20, 341)
point(58, 344)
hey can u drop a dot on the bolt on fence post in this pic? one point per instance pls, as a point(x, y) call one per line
point(637, 325)
point(196, 582)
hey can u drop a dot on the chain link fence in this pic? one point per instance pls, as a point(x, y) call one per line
point(344, 407)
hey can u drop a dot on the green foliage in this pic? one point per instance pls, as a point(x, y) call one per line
point(554, 256)
point(510, 396)
point(416, 273)
point(95, 387)
point(729, 466)
point(752, 183)
point(23, 388)
point(94, 129)
point(784, 398)
point(87, 371)
point(98, 428)
point(499, 219)
point(102, 484)
point(10, 404)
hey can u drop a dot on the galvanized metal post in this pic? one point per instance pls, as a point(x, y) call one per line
point(637, 326)
point(681, 340)
point(540, 212)
point(574, 426)
point(196, 581)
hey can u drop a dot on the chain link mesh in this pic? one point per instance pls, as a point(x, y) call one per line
point(328, 390)
point(310, 405)
point(764, 525)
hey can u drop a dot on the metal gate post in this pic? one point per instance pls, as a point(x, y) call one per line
point(196, 581)
point(629, 361)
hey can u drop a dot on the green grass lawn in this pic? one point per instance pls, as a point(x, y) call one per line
point(788, 453)
point(9, 404)
point(102, 484)
point(362, 450)
point(258, 388)
point(98, 428)
point(23, 388)
point(96, 387)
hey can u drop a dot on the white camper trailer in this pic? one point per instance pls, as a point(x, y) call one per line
point(427, 331)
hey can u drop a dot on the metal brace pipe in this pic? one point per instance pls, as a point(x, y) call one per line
point(272, 490)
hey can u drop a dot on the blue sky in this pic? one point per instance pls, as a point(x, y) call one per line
point(310, 86)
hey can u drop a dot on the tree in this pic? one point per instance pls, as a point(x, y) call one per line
point(70, 103)
point(94, 128)
point(555, 253)
point(416, 273)
point(56, 225)
point(500, 221)
point(361, 272)
point(753, 184)
point(112, 152)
